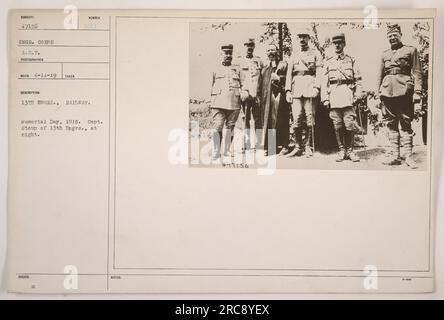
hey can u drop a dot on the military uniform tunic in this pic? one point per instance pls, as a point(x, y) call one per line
point(400, 75)
point(400, 72)
point(304, 74)
point(225, 96)
point(226, 88)
point(250, 71)
point(340, 85)
point(303, 81)
point(250, 74)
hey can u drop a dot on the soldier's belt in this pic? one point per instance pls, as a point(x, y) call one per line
point(304, 73)
point(395, 71)
point(340, 81)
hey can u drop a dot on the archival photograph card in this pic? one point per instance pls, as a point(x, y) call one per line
point(221, 151)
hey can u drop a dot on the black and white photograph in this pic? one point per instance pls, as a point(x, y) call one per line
point(250, 153)
point(341, 94)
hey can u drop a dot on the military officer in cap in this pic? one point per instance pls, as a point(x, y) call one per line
point(341, 86)
point(302, 88)
point(226, 96)
point(399, 84)
point(251, 67)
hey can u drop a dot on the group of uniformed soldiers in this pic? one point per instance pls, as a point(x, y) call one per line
point(264, 92)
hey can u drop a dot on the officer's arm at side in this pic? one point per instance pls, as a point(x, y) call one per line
point(213, 79)
point(417, 71)
point(324, 84)
point(289, 80)
point(319, 69)
point(358, 79)
point(380, 76)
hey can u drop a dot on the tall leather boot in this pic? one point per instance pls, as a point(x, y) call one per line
point(229, 135)
point(339, 134)
point(245, 131)
point(297, 151)
point(247, 140)
point(394, 158)
point(309, 142)
point(258, 136)
point(217, 141)
point(349, 137)
point(407, 146)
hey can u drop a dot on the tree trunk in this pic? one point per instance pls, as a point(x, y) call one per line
point(281, 40)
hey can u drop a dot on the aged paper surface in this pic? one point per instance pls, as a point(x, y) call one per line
point(108, 194)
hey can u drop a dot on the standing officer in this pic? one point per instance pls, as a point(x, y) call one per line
point(341, 86)
point(302, 88)
point(226, 96)
point(250, 71)
point(400, 84)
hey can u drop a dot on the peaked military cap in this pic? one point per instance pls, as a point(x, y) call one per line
point(227, 47)
point(338, 37)
point(393, 28)
point(249, 42)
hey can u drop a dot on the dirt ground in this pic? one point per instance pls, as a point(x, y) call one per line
point(372, 156)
